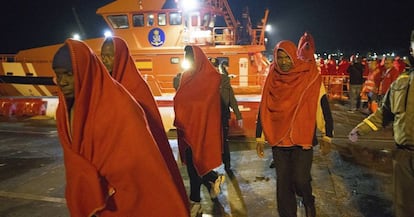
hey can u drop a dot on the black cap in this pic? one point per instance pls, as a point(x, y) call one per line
point(62, 58)
point(214, 61)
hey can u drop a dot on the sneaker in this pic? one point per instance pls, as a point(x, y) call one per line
point(196, 209)
point(216, 186)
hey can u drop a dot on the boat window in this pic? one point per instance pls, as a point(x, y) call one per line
point(175, 18)
point(194, 20)
point(206, 20)
point(119, 21)
point(212, 22)
point(162, 19)
point(222, 59)
point(138, 20)
point(150, 20)
point(175, 60)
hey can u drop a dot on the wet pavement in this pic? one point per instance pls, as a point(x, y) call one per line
point(353, 180)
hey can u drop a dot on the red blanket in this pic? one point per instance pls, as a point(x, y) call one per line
point(197, 113)
point(126, 73)
point(113, 165)
point(289, 101)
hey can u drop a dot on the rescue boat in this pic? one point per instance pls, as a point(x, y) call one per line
point(156, 32)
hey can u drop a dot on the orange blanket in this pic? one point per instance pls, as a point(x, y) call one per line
point(289, 101)
point(197, 114)
point(113, 165)
point(126, 73)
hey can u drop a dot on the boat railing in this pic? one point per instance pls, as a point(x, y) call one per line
point(337, 86)
point(223, 36)
point(7, 58)
point(258, 34)
point(242, 84)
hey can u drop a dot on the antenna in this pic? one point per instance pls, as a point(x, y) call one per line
point(82, 32)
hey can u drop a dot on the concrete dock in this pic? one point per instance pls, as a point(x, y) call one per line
point(353, 180)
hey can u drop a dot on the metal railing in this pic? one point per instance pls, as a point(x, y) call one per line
point(7, 58)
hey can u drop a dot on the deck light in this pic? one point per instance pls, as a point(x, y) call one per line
point(268, 28)
point(76, 36)
point(185, 64)
point(189, 5)
point(107, 34)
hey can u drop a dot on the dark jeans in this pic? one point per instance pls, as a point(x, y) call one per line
point(354, 96)
point(293, 177)
point(403, 183)
point(195, 179)
point(226, 149)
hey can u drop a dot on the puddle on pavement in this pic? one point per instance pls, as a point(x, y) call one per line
point(12, 167)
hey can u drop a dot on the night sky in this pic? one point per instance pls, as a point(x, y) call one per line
point(349, 26)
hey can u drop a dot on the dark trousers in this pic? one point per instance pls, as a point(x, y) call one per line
point(293, 177)
point(226, 149)
point(354, 96)
point(403, 183)
point(195, 180)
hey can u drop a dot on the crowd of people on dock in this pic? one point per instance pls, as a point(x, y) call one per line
point(363, 80)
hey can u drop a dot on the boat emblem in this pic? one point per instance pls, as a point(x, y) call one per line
point(156, 37)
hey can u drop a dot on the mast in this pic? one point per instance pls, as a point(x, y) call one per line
point(82, 31)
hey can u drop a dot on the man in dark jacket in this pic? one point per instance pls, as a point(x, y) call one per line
point(228, 100)
point(355, 71)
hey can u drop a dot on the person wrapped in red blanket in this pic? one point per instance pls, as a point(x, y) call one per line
point(198, 121)
point(113, 165)
point(293, 101)
point(120, 64)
